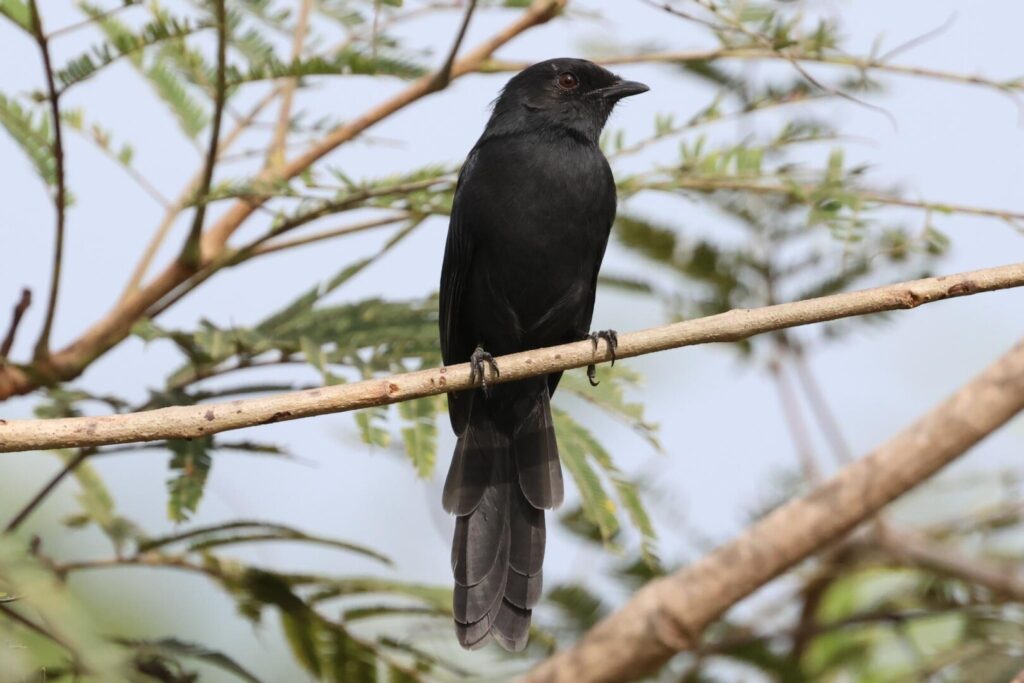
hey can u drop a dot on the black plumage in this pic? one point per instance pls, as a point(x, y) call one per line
point(529, 226)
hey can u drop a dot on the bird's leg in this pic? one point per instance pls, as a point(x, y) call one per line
point(476, 367)
point(611, 337)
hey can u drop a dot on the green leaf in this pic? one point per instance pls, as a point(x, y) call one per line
point(350, 661)
point(573, 445)
point(420, 437)
point(299, 622)
point(18, 12)
point(580, 607)
point(349, 61)
point(191, 460)
point(33, 134)
point(249, 531)
point(159, 70)
point(578, 448)
point(175, 647)
point(122, 42)
point(609, 396)
point(367, 420)
point(98, 505)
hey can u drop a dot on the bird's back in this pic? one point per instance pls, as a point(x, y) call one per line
point(537, 210)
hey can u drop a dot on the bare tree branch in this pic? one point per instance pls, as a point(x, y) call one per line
point(444, 75)
point(275, 155)
point(668, 615)
point(12, 330)
point(191, 256)
point(42, 350)
point(186, 422)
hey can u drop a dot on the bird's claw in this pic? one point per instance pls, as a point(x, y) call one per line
point(476, 367)
point(611, 337)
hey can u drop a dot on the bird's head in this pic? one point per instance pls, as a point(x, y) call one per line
point(573, 95)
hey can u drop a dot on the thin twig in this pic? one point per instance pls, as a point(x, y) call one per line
point(42, 349)
point(129, 170)
point(69, 467)
point(798, 190)
point(139, 273)
point(276, 152)
point(755, 53)
point(797, 427)
point(1003, 579)
point(274, 246)
point(100, 16)
point(918, 40)
point(767, 43)
point(235, 257)
point(13, 615)
point(24, 301)
point(191, 255)
point(202, 420)
point(444, 75)
point(698, 122)
point(819, 406)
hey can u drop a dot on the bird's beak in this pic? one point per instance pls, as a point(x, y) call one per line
point(622, 89)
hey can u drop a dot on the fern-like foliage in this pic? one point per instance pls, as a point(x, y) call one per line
point(33, 133)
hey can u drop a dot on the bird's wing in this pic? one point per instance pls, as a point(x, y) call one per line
point(456, 344)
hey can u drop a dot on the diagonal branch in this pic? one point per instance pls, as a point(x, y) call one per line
point(42, 350)
point(669, 614)
point(186, 422)
point(444, 75)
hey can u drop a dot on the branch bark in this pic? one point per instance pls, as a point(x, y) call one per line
point(186, 422)
point(668, 615)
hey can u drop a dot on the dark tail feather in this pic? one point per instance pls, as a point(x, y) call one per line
point(498, 486)
point(536, 451)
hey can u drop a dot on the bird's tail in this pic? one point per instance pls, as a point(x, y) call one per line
point(504, 473)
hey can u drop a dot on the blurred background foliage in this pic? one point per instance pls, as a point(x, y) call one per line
point(892, 603)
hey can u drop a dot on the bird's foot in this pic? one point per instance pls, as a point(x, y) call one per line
point(611, 337)
point(477, 370)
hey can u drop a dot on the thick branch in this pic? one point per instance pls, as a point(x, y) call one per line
point(668, 615)
point(187, 422)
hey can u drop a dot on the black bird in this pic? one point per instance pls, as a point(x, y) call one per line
point(533, 208)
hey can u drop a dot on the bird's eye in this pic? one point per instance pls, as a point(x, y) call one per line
point(567, 81)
